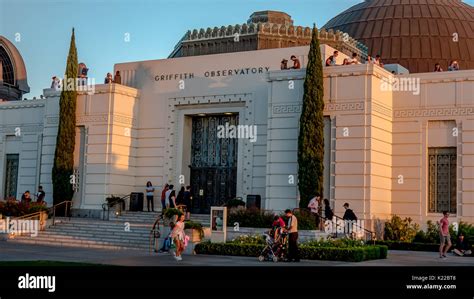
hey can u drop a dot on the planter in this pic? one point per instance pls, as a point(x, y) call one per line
point(194, 235)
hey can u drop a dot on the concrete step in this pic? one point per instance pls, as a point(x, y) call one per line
point(80, 244)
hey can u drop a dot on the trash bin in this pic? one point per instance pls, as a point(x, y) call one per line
point(136, 201)
point(254, 201)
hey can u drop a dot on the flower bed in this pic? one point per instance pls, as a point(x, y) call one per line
point(348, 254)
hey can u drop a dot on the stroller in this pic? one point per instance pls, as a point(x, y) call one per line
point(276, 246)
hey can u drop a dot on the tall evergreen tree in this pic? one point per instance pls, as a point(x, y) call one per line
point(311, 134)
point(64, 155)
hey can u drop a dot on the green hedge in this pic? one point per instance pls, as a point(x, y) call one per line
point(356, 254)
point(413, 246)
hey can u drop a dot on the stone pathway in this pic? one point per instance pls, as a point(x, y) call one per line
point(26, 252)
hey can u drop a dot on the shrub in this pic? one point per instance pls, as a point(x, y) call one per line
point(413, 246)
point(252, 217)
point(338, 243)
point(356, 254)
point(170, 212)
point(13, 208)
point(432, 233)
point(234, 203)
point(36, 207)
point(249, 239)
point(306, 220)
point(400, 230)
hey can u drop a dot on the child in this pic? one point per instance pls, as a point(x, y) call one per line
point(167, 242)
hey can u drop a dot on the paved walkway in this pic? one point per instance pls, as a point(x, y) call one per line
point(25, 252)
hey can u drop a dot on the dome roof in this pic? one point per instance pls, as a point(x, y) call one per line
point(13, 71)
point(414, 33)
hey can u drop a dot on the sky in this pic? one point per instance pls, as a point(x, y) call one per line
point(115, 31)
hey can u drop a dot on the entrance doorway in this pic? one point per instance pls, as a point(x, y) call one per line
point(213, 162)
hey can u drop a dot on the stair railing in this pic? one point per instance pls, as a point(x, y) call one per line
point(67, 210)
point(155, 233)
point(347, 228)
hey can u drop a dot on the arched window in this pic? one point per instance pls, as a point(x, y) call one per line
point(7, 67)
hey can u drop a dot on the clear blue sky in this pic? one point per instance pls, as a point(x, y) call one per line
point(154, 27)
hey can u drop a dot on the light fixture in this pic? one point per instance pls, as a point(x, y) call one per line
point(201, 114)
point(228, 113)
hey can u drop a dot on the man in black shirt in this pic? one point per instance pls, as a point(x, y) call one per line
point(349, 219)
point(462, 247)
point(349, 214)
point(187, 201)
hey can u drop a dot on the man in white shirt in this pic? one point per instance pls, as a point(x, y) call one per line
point(354, 59)
point(313, 205)
point(292, 228)
point(170, 197)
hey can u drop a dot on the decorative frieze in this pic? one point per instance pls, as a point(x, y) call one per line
point(350, 106)
point(12, 129)
point(21, 106)
point(101, 118)
point(434, 112)
point(286, 108)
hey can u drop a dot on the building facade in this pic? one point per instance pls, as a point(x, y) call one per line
point(227, 124)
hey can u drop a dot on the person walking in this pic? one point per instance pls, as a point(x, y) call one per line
point(163, 198)
point(180, 197)
point(171, 196)
point(314, 207)
point(292, 228)
point(445, 238)
point(178, 237)
point(150, 190)
point(349, 219)
point(188, 197)
point(328, 213)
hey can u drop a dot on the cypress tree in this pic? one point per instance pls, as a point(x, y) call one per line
point(64, 155)
point(311, 133)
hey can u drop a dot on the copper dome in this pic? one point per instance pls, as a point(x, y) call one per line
point(414, 33)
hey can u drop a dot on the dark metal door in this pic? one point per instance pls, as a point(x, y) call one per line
point(213, 162)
